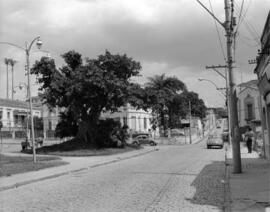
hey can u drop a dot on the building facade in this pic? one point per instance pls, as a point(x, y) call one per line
point(50, 117)
point(14, 115)
point(249, 104)
point(263, 72)
point(136, 120)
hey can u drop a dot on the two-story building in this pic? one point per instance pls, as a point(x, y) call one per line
point(263, 72)
point(249, 104)
point(136, 120)
point(14, 115)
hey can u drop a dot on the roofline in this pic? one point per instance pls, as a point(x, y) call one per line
point(266, 23)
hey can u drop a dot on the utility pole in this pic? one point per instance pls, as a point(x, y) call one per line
point(190, 137)
point(229, 28)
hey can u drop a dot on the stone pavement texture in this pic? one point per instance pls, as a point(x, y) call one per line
point(175, 178)
point(250, 190)
point(75, 164)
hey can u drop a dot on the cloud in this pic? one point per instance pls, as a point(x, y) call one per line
point(175, 37)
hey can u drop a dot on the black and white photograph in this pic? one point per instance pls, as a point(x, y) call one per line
point(135, 105)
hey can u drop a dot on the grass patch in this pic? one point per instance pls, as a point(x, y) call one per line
point(75, 148)
point(19, 164)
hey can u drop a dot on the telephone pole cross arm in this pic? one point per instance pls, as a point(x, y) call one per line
point(229, 26)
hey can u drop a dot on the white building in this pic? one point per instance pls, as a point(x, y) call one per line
point(136, 120)
point(13, 114)
point(249, 104)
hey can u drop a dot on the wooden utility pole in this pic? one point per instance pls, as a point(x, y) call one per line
point(229, 27)
point(233, 119)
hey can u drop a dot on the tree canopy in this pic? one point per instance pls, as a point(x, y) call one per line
point(160, 92)
point(84, 90)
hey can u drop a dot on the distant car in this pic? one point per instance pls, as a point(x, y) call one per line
point(176, 133)
point(144, 139)
point(214, 140)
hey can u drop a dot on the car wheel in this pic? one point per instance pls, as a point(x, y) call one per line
point(208, 146)
point(135, 143)
point(152, 144)
point(221, 147)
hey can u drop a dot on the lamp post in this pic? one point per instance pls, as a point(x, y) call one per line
point(219, 89)
point(27, 53)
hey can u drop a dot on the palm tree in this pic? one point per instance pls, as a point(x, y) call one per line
point(12, 63)
point(7, 63)
point(162, 90)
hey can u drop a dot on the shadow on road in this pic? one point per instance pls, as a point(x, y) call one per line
point(209, 185)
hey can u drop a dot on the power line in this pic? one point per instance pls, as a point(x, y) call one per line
point(250, 28)
point(219, 37)
point(240, 14)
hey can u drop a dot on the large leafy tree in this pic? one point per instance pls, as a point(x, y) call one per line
point(85, 90)
point(160, 91)
point(180, 105)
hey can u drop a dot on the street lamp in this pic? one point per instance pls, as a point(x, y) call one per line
point(219, 89)
point(27, 52)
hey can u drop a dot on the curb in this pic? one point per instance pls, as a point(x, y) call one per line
point(16, 185)
point(227, 193)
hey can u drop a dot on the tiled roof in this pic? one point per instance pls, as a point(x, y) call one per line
point(251, 82)
point(14, 104)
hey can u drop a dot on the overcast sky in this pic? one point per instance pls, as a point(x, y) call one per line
point(175, 37)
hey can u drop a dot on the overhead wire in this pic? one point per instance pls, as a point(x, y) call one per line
point(240, 15)
point(250, 28)
point(219, 37)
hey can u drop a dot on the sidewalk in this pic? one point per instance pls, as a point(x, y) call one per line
point(250, 190)
point(75, 164)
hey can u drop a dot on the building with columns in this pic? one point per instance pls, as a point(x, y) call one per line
point(13, 114)
point(136, 120)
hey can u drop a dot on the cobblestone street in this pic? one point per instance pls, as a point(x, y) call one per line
point(175, 178)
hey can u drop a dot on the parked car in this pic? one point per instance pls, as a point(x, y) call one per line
point(28, 144)
point(214, 140)
point(144, 139)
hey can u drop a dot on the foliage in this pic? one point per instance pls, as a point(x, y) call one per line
point(180, 105)
point(85, 90)
point(160, 92)
point(67, 126)
point(111, 134)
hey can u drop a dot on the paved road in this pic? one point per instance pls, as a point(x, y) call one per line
point(175, 178)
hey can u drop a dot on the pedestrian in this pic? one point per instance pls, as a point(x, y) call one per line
point(249, 135)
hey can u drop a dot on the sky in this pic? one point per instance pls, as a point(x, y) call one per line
point(175, 37)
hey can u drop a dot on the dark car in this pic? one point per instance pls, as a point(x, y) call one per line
point(144, 139)
point(225, 136)
point(214, 140)
point(27, 144)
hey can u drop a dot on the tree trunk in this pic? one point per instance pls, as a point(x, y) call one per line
point(87, 132)
point(162, 116)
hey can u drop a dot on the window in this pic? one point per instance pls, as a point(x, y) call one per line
point(133, 122)
point(145, 123)
point(125, 120)
point(50, 125)
point(249, 111)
